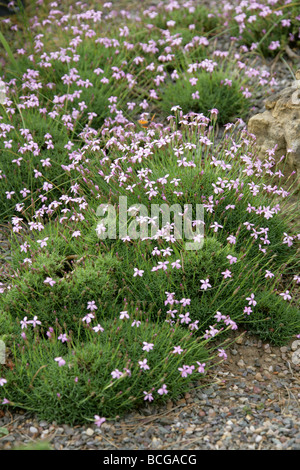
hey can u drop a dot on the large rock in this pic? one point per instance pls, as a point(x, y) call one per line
point(279, 126)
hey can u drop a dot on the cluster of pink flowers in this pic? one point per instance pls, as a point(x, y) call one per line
point(124, 153)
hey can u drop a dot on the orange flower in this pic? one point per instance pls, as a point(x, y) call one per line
point(144, 123)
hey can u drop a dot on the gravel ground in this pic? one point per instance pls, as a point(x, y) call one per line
point(253, 404)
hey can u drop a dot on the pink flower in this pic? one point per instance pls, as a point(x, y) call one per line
point(88, 318)
point(251, 300)
point(162, 265)
point(147, 346)
point(248, 310)
point(211, 332)
point(230, 323)
point(76, 234)
point(201, 368)
point(193, 81)
point(286, 295)
point(91, 306)
point(231, 239)
point(216, 226)
point(222, 353)
point(176, 264)
point(185, 302)
point(163, 390)
point(226, 274)
point(288, 240)
point(214, 112)
point(269, 274)
point(186, 370)
point(205, 284)
point(219, 316)
point(63, 338)
point(2, 382)
point(35, 321)
point(148, 396)
point(194, 325)
point(24, 323)
point(232, 259)
point(297, 279)
point(177, 350)
point(143, 365)
point(49, 281)
point(183, 371)
point(123, 315)
point(116, 374)
point(98, 328)
point(274, 45)
point(127, 372)
point(170, 298)
point(43, 243)
point(185, 318)
point(138, 272)
point(61, 362)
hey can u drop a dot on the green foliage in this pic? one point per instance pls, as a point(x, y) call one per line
point(66, 301)
point(205, 22)
point(42, 445)
point(14, 176)
point(111, 154)
point(265, 30)
point(275, 320)
point(3, 432)
point(22, 176)
point(84, 386)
